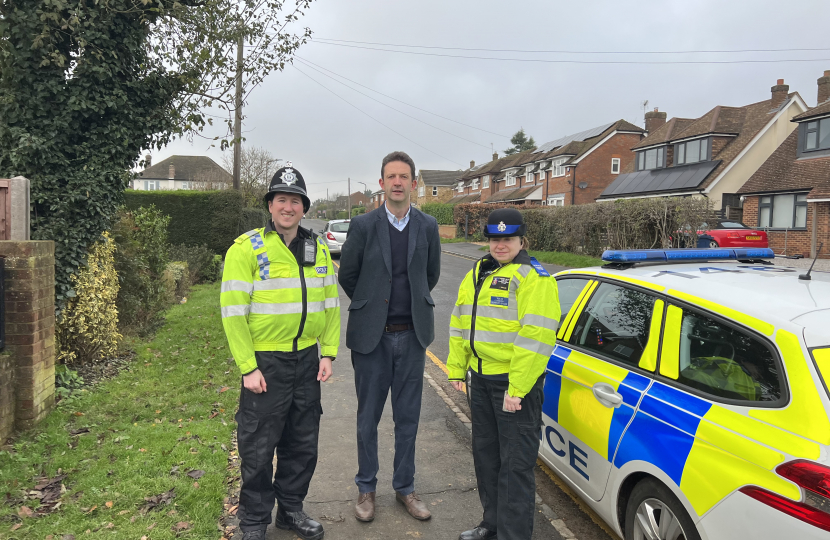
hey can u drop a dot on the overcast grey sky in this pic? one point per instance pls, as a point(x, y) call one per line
point(328, 140)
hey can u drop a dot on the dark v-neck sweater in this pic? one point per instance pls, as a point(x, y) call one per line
point(400, 299)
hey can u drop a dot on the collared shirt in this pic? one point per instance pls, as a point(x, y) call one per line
point(399, 224)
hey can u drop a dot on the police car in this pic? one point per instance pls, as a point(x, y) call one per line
point(687, 396)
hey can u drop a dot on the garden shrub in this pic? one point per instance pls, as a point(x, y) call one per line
point(201, 262)
point(358, 211)
point(342, 215)
point(177, 274)
point(87, 330)
point(252, 218)
point(140, 260)
point(441, 212)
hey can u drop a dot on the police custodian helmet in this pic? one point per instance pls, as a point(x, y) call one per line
point(505, 222)
point(288, 180)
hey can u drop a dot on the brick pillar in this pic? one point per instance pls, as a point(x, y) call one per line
point(30, 329)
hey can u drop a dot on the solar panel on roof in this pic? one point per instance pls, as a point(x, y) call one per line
point(581, 136)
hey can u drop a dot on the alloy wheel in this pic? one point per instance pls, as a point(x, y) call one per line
point(655, 521)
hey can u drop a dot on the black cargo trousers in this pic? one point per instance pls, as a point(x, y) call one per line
point(287, 418)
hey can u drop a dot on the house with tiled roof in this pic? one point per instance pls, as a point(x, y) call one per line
point(183, 172)
point(573, 169)
point(436, 186)
point(476, 184)
point(789, 195)
point(712, 156)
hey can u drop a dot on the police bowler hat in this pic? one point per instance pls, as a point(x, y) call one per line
point(505, 222)
point(288, 180)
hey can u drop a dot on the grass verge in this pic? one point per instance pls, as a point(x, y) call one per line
point(561, 258)
point(453, 240)
point(132, 438)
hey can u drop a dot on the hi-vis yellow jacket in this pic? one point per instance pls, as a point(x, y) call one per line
point(505, 322)
point(270, 303)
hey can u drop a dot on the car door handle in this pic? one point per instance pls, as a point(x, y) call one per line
point(606, 395)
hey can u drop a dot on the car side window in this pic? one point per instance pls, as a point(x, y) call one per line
point(724, 362)
point(569, 289)
point(615, 323)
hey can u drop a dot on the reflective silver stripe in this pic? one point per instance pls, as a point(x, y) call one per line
point(277, 283)
point(235, 311)
point(545, 349)
point(330, 280)
point(237, 285)
point(491, 337)
point(288, 308)
point(524, 270)
point(250, 233)
point(315, 307)
point(514, 284)
point(462, 310)
point(540, 321)
point(455, 332)
point(315, 282)
point(332, 303)
point(502, 314)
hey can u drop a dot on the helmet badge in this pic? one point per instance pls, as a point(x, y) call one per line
point(502, 227)
point(288, 177)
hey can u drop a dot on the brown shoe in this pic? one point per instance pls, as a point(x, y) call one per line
point(414, 506)
point(364, 510)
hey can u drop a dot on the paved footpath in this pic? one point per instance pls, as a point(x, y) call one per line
point(445, 478)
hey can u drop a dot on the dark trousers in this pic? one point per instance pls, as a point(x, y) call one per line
point(397, 363)
point(285, 418)
point(504, 452)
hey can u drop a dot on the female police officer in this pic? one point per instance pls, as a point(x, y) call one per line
point(503, 328)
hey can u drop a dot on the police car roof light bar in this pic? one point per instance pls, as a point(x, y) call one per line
point(635, 256)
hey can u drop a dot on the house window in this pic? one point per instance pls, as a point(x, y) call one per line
point(556, 200)
point(529, 178)
point(151, 185)
point(650, 159)
point(475, 184)
point(818, 135)
point(558, 169)
point(615, 165)
point(785, 211)
point(185, 185)
point(510, 180)
point(434, 191)
point(421, 190)
point(485, 182)
point(461, 187)
point(691, 152)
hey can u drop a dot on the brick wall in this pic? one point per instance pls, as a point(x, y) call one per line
point(444, 194)
point(795, 242)
point(595, 168)
point(30, 329)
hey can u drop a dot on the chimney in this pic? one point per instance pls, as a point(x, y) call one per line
point(495, 156)
point(148, 160)
point(779, 93)
point(824, 87)
point(654, 119)
point(172, 174)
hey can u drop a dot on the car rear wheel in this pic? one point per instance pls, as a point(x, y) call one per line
point(654, 513)
point(713, 244)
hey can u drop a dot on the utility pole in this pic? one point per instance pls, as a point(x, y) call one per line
point(350, 199)
point(237, 125)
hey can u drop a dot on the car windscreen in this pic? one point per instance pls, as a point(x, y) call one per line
point(339, 227)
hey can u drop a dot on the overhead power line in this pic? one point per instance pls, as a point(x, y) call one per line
point(399, 101)
point(553, 61)
point(338, 96)
point(393, 108)
point(571, 51)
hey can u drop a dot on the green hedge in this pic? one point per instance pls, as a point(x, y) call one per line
point(210, 218)
point(441, 212)
point(358, 211)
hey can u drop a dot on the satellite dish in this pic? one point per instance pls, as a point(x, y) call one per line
point(583, 185)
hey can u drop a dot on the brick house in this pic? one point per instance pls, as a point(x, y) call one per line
point(712, 156)
point(377, 198)
point(789, 195)
point(183, 172)
point(475, 184)
point(436, 186)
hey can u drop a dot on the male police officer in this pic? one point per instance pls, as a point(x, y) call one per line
point(279, 298)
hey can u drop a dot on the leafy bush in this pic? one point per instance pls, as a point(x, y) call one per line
point(140, 260)
point(441, 212)
point(210, 218)
point(67, 382)
point(358, 211)
point(252, 218)
point(201, 262)
point(342, 215)
point(87, 330)
point(178, 273)
point(592, 228)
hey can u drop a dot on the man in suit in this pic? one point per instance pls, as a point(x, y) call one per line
point(389, 264)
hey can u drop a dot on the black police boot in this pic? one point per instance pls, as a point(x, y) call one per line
point(299, 522)
point(479, 533)
point(258, 534)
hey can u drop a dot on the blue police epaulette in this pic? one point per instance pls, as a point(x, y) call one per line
point(538, 267)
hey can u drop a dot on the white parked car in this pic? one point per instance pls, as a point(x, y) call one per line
point(335, 233)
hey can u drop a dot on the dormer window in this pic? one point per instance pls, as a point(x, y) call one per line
point(475, 184)
point(461, 187)
point(691, 151)
point(485, 181)
point(510, 180)
point(817, 135)
point(651, 159)
point(558, 169)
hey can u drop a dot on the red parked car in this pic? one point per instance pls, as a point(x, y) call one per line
point(725, 233)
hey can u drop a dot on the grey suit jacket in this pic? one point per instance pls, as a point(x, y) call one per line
point(366, 272)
